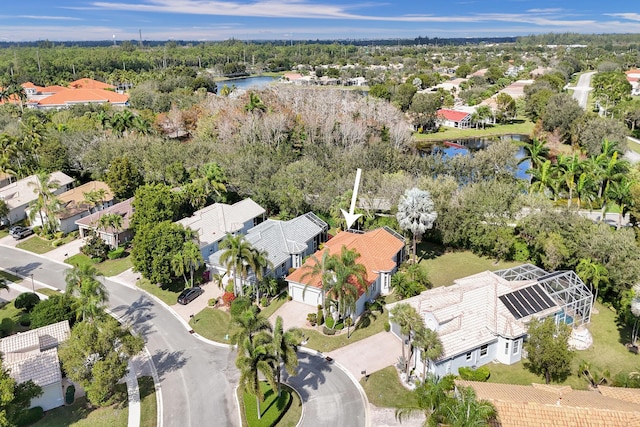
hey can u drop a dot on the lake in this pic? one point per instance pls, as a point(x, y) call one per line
point(246, 83)
point(468, 145)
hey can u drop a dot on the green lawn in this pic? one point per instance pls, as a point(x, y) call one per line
point(444, 267)
point(524, 127)
point(271, 409)
point(213, 324)
point(274, 306)
point(109, 267)
point(324, 343)
point(48, 292)
point(80, 414)
point(4, 233)
point(384, 389)
point(167, 293)
point(36, 244)
point(148, 404)
point(9, 316)
point(9, 277)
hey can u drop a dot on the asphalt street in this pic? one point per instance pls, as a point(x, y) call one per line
point(197, 379)
point(582, 88)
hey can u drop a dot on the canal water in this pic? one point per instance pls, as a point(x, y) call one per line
point(246, 83)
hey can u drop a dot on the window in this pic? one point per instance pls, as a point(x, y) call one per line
point(506, 348)
point(484, 350)
point(516, 347)
point(469, 356)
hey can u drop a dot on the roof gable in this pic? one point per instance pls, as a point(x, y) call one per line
point(452, 115)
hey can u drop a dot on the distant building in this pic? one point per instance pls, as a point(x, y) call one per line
point(454, 118)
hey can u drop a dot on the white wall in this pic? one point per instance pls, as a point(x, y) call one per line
point(312, 296)
point(52, 397)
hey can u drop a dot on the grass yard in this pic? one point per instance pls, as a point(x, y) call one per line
point(81, 414)
point(9, 277)
point(148, 404)
point(109, 267)
point(444, 267)
point(272, 408)
point(48, 292)
point(4, 233)
point(9, 317)
point(167, 293)
point(524, 127)
point(291, 418)
point(385, 390)
point(275, 305)
point(35, 244)
point(324, 343)
point(213, 324)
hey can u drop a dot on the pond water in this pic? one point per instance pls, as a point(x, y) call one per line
point(468, 145)
point(246, 83)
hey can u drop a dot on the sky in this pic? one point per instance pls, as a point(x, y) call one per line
point(200, 20)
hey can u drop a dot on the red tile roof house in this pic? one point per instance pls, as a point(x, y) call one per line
point(633, 77)
point(381, 252)
point(454, 119)
point(111, 236)
point(33, 355)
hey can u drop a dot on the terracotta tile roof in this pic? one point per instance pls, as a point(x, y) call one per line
point(627, 394)
point(377, 248)
point(79, 96)
point(90, 84)
point(561, 406)
point(452, 115)
point(76, 194)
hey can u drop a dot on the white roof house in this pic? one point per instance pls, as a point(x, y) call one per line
point(215, 221)
point(33, 355)
point(19, 194)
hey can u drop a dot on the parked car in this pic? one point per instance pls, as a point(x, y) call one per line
point(20, 232)
point(189, 295)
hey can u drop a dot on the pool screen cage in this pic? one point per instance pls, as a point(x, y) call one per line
point(565, 287)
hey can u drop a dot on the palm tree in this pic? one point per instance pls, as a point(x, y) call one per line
point(249, 324)
point(409, 321)
point(43, 187)
point(593, 273)
point(235, 258)
point(620, 193)
point(585, 189)
point(535, 152)
point(259, 262)
point(465, 410)
point(542, 177)
point(255, 358)
point(94, 197)
point(285, 344)
point(113, 222)
point(349, 279)
point(430, 395)
point(569, 170)
point(430, 346)
point(91, 294)
point(255, 104)
point(416, 213)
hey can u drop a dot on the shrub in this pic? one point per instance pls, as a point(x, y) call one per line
point(387, 327)
point(228, 298)
point(26, 301)
point(239, 305)
point(25, 320)
point(58, 235)
point(213, 302)
point(29, 417)
point(312, 318)
point(339, 326)
point(37, 229)
point(521, 251)
point(320, 315)
point(264, 301)
point(116, 253)
point(70, 394)
point(470, 374)
point(57, 243)
point(95, 247)
point(289, 298)
point(7, 326)
point(229, 287)
point(53, 310)
point(328, 331)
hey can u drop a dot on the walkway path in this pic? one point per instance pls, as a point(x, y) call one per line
point(582, 89)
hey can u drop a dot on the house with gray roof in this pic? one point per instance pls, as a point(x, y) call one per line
point(212, 223)
point(484, 317)
point(33, 355)
point(286, 243)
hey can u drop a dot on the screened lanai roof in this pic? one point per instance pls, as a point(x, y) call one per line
point(564, 287)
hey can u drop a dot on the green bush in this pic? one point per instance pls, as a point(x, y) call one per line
point(25, 320)
point(95, 247)
point(264, 301)
point(37, 229)
point(70, 394)
point(29, 417)
point(521, 251)
point(312, 318)
point(328, 331)
point(329, 322)
point(7, 326)
point(56, 308)
point(116, 253)
point(57, 243)
point(481, 374)
point(387, 327)
point(212, 302)
point(320, 315)
point(26, 301)
point(239, 305)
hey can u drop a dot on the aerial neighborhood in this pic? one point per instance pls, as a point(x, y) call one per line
point(397, 232)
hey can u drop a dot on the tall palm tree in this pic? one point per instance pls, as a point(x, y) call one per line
point(349, 279)
point(43, 186)
point(569, 171)
point(430, 395)
point(430, 346)
point(416, 213)
point(91, 294)
point(255, 358)
point(535, 152)
point(255, 104)
point(237, 252)
point(259, 262)
point(249, 324)
point(593, 273)
point(620, 193)
point(285, 344)
point(465, 410)
point(585, 189)
point(409, 321)
point(94, 198)
point(542, 177)
point(113, 222)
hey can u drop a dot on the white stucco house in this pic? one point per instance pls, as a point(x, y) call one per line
point(381, 251)
point(19, 194)
point(286, 243)
point(483, 318)
point(33, 355)
point(215, 221)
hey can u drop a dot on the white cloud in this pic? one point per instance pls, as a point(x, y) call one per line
point(629, 16)
point(49, 18)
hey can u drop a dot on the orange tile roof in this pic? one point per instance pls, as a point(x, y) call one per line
point(90, 84)
point(555, 406)
point(78, 96)
point(377, 249)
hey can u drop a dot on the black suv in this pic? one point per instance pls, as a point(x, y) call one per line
point(189, 295)
point(19, 232)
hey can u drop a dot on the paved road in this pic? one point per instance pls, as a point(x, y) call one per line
point(197, 379)
point(581, 90)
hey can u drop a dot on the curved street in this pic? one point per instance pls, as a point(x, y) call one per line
point(198, 380)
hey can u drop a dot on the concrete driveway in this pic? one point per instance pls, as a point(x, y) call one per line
point(370, 354)
point(294, 314)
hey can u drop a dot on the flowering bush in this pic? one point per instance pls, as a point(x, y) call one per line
point(228, 298)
